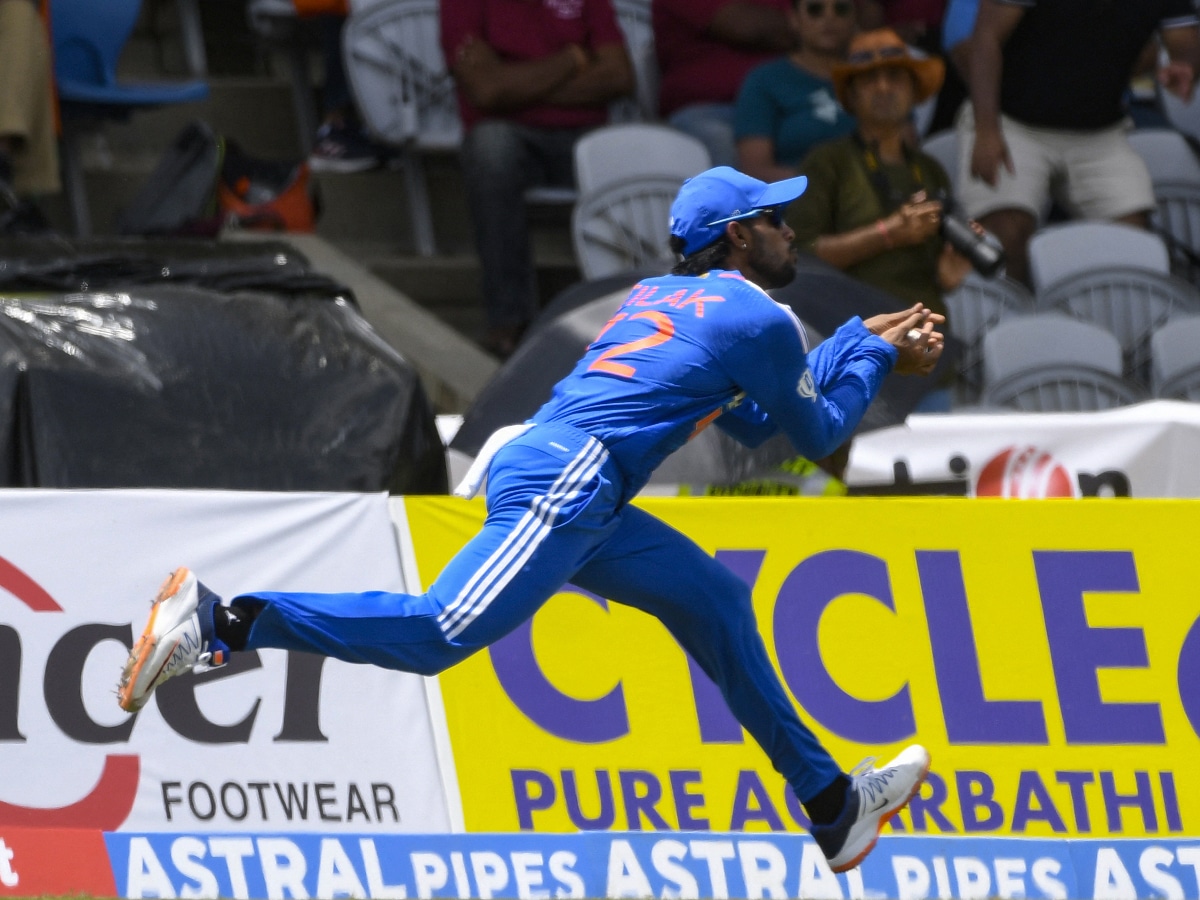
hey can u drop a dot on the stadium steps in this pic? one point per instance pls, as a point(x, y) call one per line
point(365, 214)
point(364, 228)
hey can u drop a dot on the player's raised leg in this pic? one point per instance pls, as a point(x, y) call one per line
point(178, 638)
point(547, 512)
point(651, 566)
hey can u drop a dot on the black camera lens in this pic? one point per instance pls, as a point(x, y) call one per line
point(987, 258)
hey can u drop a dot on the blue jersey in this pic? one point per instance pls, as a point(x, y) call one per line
point(684, 351)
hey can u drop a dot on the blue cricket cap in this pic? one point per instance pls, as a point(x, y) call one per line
point(710, 200)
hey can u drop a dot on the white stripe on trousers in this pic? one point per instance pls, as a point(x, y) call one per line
point(501, 553)
point(509, 558)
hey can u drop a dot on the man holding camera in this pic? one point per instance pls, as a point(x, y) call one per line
point(874, 205)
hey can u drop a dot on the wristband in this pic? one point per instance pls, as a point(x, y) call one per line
point(883, 230)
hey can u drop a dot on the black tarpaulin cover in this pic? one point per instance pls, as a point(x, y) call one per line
point(58, 263)
point(163, 385)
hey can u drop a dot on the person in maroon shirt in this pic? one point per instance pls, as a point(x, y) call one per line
point(704, 49)
point(532, 76)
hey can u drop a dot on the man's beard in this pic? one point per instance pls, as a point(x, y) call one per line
point(771, 274)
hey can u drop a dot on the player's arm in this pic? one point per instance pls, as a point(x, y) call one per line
point(919, 344)
point(747, 423)
point(773, 369)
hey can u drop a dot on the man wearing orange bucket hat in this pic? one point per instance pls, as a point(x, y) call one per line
point(874, 204)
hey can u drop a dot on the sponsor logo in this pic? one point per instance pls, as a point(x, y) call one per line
point(806, 387)
point(1012, 469)
point(51, 861)
point(643, 865)
point(109, 803)
point(1066, 797)
point(1025, 473)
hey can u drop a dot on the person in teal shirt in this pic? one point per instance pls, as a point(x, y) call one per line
point(787, 106)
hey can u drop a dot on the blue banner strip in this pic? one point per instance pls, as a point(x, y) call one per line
point(641, 864)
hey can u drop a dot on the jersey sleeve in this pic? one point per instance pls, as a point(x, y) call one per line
point(747, 423)
point(816, 419)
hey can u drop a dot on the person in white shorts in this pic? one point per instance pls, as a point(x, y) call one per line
point(1047, 80)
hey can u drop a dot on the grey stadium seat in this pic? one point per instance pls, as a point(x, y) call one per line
point(624, 225)
point(1130, 303)
point(1073, 248)
point(276, 23)
point(1175, 359)
point(1053, 363)
point(404, 92)
point(974, 308)
point(1167, 155)
point(614, 153)
point(633, 18)
point(1177, 218)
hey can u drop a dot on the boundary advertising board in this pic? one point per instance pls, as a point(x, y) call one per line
point(274, 741)
point(1048, 654)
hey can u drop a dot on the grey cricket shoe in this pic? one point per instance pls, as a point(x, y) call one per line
point(873, 797)
point(178, 638)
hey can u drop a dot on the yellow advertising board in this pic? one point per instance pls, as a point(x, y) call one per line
point(1047, 653)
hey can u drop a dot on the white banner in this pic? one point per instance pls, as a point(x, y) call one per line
point(272, 742)
point(1147, 450)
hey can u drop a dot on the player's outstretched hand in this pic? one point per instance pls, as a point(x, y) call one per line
point(913, 333)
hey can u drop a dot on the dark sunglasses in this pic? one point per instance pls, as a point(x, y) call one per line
point(883, 54)
point(774, 215)
point(841, 9)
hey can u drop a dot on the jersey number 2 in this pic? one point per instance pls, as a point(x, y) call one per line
point(665, 331)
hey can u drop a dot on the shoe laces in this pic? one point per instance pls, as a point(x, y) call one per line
point(871, 781)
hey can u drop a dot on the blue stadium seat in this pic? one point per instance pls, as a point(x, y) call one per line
point(88, 39)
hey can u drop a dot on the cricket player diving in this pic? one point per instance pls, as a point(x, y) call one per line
point(704, 345)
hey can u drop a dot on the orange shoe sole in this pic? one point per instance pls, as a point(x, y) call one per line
point(147, 642)
point(883, 820)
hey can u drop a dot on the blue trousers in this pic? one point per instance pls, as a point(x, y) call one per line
point(556, 514)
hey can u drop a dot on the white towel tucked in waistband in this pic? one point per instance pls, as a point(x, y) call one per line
point(473, 480)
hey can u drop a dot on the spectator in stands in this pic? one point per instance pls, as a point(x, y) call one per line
point(787, 106)
point(920, 24)
point(341, 143)
point(873, 207)
point(705, 49)
point(1047, 78)
point(956, 34)
point(28, 143)
point(532, 78)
